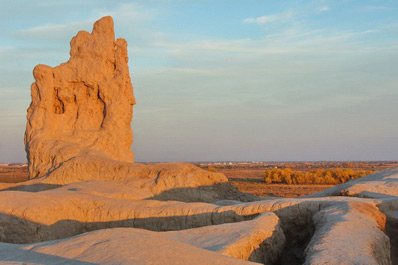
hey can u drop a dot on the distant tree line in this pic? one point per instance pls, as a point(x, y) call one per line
point(318, 176)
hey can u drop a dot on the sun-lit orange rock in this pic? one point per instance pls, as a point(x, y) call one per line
point(83, 106)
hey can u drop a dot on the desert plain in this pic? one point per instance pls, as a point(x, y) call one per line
point(248, 177)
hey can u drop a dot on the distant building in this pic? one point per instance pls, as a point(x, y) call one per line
point(16, 164)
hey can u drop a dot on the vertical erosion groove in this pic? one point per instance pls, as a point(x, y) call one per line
point(298, 232)
point(103, 107)
point(59, 107)
point(392, 233)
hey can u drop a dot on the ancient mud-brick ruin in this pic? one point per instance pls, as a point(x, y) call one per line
point(83, 106)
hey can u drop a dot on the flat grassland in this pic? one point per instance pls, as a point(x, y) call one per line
point(248, 177)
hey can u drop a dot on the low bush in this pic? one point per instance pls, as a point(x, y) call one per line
point(318, 176)
point(211, 169)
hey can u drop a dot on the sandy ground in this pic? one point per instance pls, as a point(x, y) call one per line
point(261, 189)
point(251, 181)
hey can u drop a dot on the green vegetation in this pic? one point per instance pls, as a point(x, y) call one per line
point(318, 176)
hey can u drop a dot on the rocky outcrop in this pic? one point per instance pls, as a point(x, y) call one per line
point(349, 233)
point(83, 106)
point(377, 185)
point(114, 246)
point(258, 240)
point(165, 181)
point(287, 231)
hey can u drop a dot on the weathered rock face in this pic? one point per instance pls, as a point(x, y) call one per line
point(83, 106)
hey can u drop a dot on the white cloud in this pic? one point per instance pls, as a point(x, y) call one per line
point(129, 12)
point(372, 8)
point(299, 42)
point(267, 19)
point(123, 14)
point(288, 16)
point(322, 9)
point(54, 31)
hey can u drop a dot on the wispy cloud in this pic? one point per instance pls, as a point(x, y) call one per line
point(267, 19)
point(321, 9)
point(286, 42)
point(124, 14)
point(54, 31)
point(287, 16)
point(130, 12)
point(376, 8)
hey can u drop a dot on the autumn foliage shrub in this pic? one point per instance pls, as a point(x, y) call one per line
point(211, 169)
point(319, 176)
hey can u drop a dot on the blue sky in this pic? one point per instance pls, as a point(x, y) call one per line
point(226, 80)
